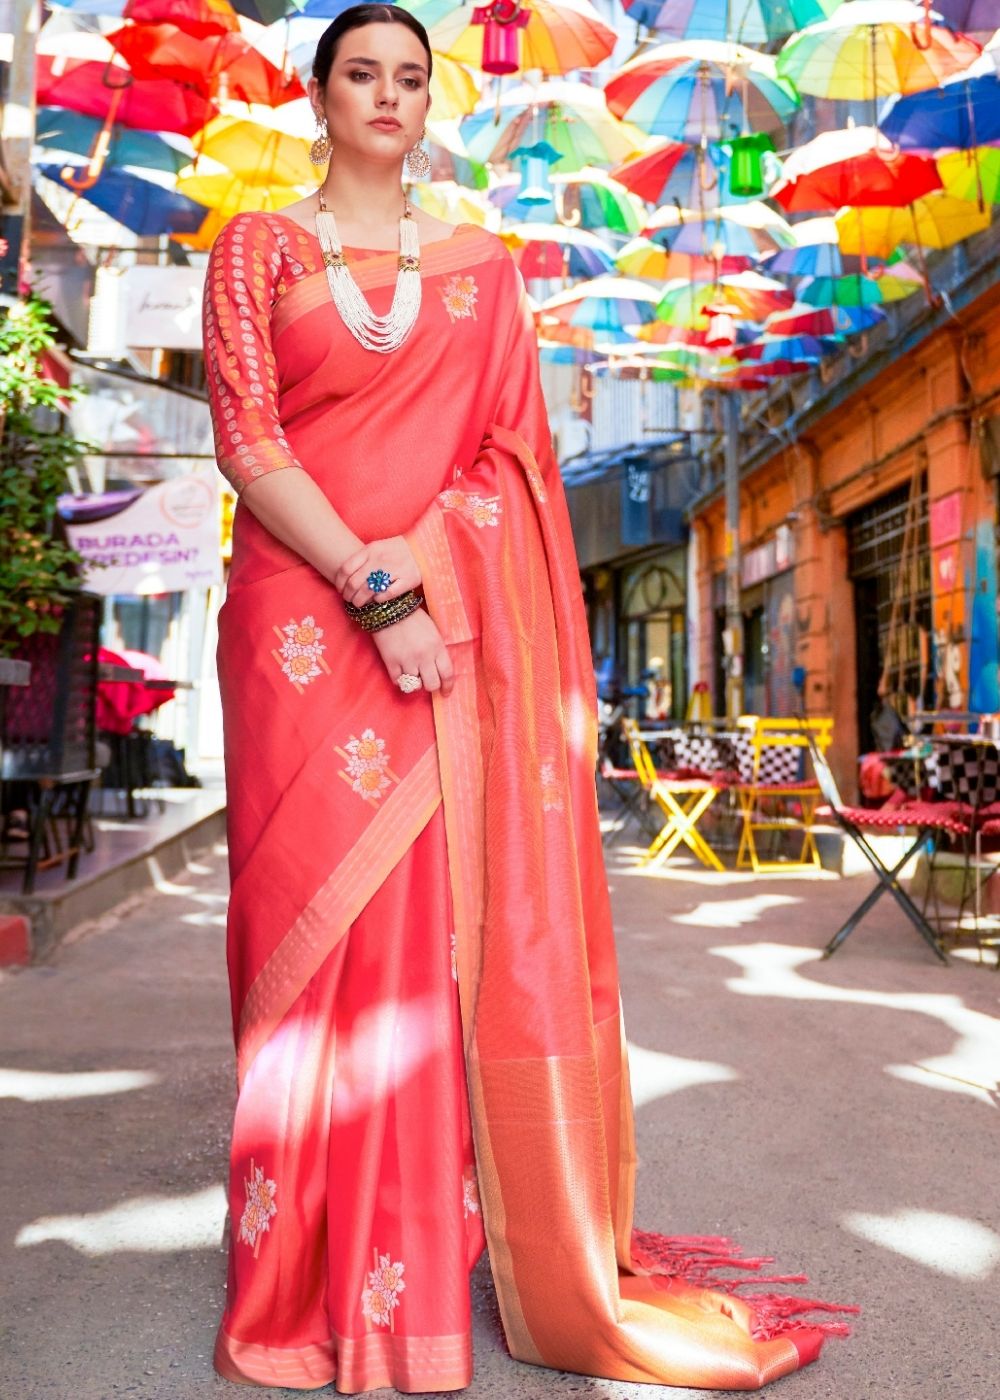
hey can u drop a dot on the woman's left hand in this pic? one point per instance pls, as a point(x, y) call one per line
point(393, 555)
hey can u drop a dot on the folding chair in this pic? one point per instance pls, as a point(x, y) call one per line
point(683, 800)
point(776, 781)
point(923, 819)
point(626, 787)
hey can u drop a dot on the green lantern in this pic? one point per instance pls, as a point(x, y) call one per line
point(746, 164)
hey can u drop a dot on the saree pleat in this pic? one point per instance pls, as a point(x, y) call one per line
point(430, 1043)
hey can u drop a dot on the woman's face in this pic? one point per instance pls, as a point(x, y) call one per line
point(376, 97)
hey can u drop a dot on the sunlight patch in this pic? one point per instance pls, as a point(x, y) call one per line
point(655, 1075)
point(948, 1244)
point(733, 913)
point(144, 1225)
point(41, 1086)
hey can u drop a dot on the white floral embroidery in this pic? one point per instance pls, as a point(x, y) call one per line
point(459, 295)
point(367, 766)
point(551, 791)
point(481, 510)
point(454, 956)
point(381, 1297)
point(470, 1192)
point(260, 1207)
point(301, 653)
point(536, 483)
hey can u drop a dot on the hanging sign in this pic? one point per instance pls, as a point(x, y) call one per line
point(164, 540)
point(162, 307)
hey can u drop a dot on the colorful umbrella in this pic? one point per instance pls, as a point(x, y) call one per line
point(591, 199)
point(257, 152)
point(139, 205)
point(801, 320)
point(572, 117)
point(701, 90)
point(597, 310)
point(552, 250)
point(769, 349)
point(977, 18)
point(642, 258)
point(872, 48)
point(742, 230)
point(973, 174)
point(227, 194)
point(558, 36)
point(816, 251)
point(72, 133)
point(696, 176)
point(853, 290)
point(898, 280)
point(858, 166)
point(450, 160)
point(962, 112)
point(223, 65)
point(446, 200)
point(100, 90)
point(266, 11)
point(195, 16)
point(744, 21)
point(936, 221)
point(747, 294)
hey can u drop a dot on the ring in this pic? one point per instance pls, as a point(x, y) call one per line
point(378, 580)
point(408, 683)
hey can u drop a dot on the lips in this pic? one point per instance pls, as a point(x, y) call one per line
point(387, 125)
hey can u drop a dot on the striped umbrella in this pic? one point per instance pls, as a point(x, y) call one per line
point(552, 250)
point(858, 166)
point(572, 117)
point(558, 37)
point(742, 230)
point(745, 21)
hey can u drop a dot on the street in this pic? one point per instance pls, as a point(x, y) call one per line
point(839, 1115)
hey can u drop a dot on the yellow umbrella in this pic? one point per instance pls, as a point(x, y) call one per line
point(972, 174)
point(256, 152)
point(936, 221)
point(641, 257)
point(454, 91)
point(227, 194)
point(447, 200)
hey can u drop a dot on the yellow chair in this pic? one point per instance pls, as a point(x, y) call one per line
point(682, 801)
point(779, 779)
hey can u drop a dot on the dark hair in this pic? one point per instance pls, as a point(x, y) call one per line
point(355, 18)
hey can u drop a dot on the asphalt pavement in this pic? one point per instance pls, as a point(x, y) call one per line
point(840, 1115)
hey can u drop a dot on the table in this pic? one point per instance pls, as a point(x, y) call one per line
point(682, 799)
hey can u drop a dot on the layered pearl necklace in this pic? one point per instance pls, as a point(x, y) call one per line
point(381, 333)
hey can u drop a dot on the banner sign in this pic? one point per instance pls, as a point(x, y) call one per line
point(163, 540)
point(163, 307)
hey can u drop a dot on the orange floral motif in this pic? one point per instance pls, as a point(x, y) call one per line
point(260, 1207)
point(300, 655)
point(381, 1297)
point(367, 766)
point(481, 510)
point(459, 295)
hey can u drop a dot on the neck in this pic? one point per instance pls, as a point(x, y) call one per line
point(364, 197)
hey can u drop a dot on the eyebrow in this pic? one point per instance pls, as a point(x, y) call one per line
point(374, 63)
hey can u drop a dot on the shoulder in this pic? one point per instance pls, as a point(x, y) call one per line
point(247, 235)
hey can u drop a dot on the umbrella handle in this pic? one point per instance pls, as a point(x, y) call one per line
point(100, 152)
point(922, 34)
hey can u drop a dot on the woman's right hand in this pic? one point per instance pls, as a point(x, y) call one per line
point(414, 646)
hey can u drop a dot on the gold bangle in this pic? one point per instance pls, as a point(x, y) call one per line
point(373, 616)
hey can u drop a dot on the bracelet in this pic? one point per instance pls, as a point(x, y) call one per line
point(373, 616)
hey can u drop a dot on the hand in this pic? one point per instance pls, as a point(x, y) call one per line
point(415, 646)
point(393, 555)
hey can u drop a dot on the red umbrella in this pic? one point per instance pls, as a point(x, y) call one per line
point(196, 16)
point(106, 90)
point(221, 65)
point(802, 321)
point(859, 167)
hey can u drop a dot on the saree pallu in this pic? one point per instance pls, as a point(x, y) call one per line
point(429, 1034)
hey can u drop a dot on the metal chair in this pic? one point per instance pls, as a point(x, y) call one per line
point(777, 782)
point(47, 745)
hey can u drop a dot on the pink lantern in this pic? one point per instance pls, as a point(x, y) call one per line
point(721, 328)
point(501, 21)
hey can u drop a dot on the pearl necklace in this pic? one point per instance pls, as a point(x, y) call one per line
point(381, 333)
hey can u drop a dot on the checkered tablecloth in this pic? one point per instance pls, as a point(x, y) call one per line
point(731, 753)
point(954, 772)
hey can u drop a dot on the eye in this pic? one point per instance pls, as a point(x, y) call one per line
point(413, 82)
point(360, 73)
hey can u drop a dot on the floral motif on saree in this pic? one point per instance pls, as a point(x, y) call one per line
point(380, 1299)
point(300, 655)
point(459, 295)
point(260, 1207)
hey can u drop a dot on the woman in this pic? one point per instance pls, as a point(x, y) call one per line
point(425, 996)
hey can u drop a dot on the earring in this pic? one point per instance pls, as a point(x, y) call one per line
point(418, 162)
point(319, 151)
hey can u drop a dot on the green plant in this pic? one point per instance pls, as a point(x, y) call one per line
point(38, 571)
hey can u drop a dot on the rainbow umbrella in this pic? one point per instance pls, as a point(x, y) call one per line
point(597, 310)
point(556, 37)
point(800, 349)
point(552, 250)
point(140, 205)
point(936, 221)
point(802, 320)
point(973, 174)
point(856, 289)
point(591, 199)
point(745, 21)
point(446, 200)
point(873, 48)
point(572, 117)
point(898, 280)
point(673, 170)
point(641, 257)
point(450, 160)
point(701, 90)
point(858, 166)
point(962, 112)
point(747, 294)
point(816, 251)
point(58, 130)
point(742, 230)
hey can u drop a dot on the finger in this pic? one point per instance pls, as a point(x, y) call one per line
point(447, 673)
point(351, 565)
point(429, 676)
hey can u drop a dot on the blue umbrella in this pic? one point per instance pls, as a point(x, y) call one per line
point(856, 290)
point(59, 129)
point(847, 320)
point(746, 21)
point(142, 206)
point(962, 113)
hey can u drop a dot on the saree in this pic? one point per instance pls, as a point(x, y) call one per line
point(430, 1044)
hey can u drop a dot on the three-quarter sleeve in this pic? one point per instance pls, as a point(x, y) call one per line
point(243, 271)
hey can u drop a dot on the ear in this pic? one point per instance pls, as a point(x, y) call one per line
point(315, 94)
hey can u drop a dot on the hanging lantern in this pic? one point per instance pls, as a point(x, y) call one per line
point(501, 22)
point(746, 165)
point(721, 333)
point(536, 186)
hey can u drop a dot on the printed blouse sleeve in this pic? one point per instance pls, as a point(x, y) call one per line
point(240, 370)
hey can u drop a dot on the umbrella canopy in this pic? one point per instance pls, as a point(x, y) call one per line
point(746, 294)
point(972, 174)
point(196, 16)
point(745, 21)
point(597, 310)
point(743, 230)
point(256, 152)
point(872, 48)
point(559, 36)
point(674, 170)
point(591, 199)
point(72, 133)
point(771, 348)
point(801, 320)
point(446, 200)
point(100, 90)
point(572, 118)
point(140, 205)
point(226, 65)
point(701, 90)
point(641, 257)
point(936, 221)
point(450, 159)
point(552, 250)
point(816, 251)
point(962, 112)
point(226, 194)
point(266, 11)
point(856, 289)
point(975, 17)
point(898, 280)
point(858, 166)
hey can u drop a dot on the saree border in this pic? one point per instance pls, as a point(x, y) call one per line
point(325, 920)
point(353, 1364)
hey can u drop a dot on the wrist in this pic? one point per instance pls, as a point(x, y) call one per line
point(376, 615)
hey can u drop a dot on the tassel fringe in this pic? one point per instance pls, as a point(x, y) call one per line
point(694, 1258)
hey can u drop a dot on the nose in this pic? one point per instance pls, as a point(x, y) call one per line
point(387, 94)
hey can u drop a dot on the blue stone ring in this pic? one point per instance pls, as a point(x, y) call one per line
point(378, 580)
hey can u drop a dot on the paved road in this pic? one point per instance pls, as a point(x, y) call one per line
point(841, 1115)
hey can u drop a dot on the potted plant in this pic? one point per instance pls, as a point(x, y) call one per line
point(38, 569)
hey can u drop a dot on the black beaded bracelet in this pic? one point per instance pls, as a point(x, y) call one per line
point(373, 616)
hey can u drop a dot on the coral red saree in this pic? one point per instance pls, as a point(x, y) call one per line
point(425, 996)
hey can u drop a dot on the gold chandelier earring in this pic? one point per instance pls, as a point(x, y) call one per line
point(319, 151)
point(418, 162)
